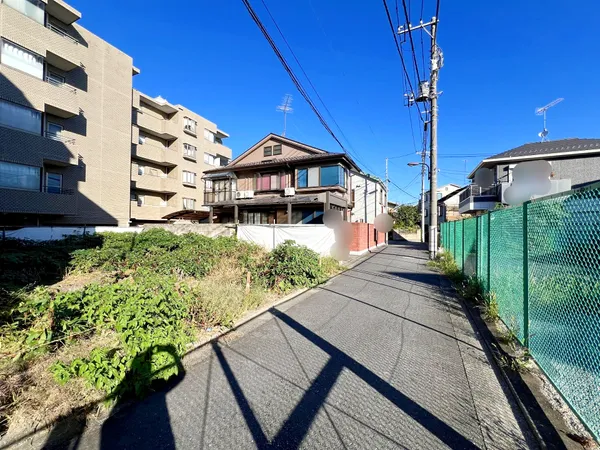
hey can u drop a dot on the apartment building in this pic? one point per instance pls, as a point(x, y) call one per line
point(72, 151)
point(65, 119)
point(170, 150)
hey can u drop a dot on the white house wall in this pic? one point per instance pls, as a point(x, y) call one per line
point(370, 199)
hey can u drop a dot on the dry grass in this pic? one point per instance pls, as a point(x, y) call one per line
point(221, 297)
point(31, 397)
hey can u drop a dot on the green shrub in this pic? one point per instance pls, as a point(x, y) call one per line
point(292, 266)
point(28, 263)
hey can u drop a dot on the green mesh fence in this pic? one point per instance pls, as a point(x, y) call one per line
point(556, 309)
point(506, 267)
point(470, 247)
point(458, 240)
point(563, 235)
point(451, 244)
point(482, 254)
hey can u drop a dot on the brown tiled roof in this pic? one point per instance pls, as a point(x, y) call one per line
point(280, 161)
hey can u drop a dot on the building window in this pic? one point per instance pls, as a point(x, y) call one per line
point(18, 58)
point(210, 159)
point(54, 131)
point(208, 185)
point(313, 176)
point(189, 125)
point(141, 200)
point(277, 150)
point(209, 135)
point(189, 203)
point(20, 117)
point(333, 176)
point(53, 183)
point(19, 176)
point(268, 151)
point(141, 139)
point(56, 80)
point(189, 177)
point(189, 151)
point(141, 170)
point(33, 9)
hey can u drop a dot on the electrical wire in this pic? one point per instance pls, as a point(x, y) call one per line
point(387, 11)
point(291, 74)
point(296, 81)
point(412, 44)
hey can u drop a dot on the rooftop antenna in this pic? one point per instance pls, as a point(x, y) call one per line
point(542, 112)
point(285, 108)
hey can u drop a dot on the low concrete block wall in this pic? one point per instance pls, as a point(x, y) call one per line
point(206, 229)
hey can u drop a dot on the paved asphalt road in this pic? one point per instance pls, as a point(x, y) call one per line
point(377, 358)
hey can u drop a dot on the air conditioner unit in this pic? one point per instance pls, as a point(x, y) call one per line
point(249, 194)
point(239, 194)
point(289, 192)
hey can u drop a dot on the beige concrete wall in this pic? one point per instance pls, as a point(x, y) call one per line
point(100, 126)
point(286, 152)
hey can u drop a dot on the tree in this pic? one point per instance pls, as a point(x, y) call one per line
point(406, 217)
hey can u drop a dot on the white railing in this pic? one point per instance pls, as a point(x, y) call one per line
point(58, 137)
point(60, 84)
point(57, 30)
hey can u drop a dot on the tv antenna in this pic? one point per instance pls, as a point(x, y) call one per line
point(542, 112)
point(285, 108)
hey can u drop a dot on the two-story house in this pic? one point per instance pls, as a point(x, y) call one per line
point(279, 180)
point(575, 163)
point(369, 197)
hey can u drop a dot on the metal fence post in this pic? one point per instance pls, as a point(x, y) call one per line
point(477, 248)
point(489, 251)
point(463, 245)
point(525, 278)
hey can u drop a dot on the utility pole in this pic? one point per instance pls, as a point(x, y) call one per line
point(431, 96)
point(423, 153)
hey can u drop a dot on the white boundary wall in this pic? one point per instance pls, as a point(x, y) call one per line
point(56, 233)
point(316, 237)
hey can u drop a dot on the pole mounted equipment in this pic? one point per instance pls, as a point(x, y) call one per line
point(542, 112)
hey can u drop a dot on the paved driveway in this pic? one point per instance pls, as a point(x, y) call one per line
point(377, 358)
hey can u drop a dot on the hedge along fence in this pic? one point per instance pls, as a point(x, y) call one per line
point(542, 261)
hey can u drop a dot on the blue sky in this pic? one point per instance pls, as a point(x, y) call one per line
point(502, 60)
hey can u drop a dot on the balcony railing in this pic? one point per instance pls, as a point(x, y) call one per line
point(58, 137)
point(215, 196)
point(477, 191)
point(55, 82)
point(190, 153)
point(55, 190)
point(62, 33)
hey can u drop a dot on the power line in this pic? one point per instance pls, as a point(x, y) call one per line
point(289, 71)
point(332, 50)
point(295, 79)
point(410, 195)
point(412, 44)
point(387, 11)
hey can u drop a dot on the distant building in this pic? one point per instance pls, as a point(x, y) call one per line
point(448, 206)
point(442, 191)
point(575, 163)
point(280, 181)
point(171, 148)
point(369, 197)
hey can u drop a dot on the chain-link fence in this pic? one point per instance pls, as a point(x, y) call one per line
point(541, 263)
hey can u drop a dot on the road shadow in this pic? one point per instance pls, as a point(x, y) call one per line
point(150, 419)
